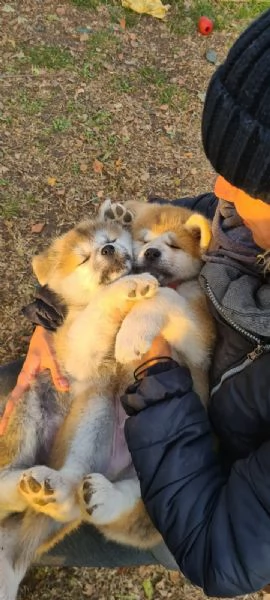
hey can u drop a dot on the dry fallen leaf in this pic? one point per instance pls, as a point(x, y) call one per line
point(37, 227)
point(83, 167)
point(98, 166)
point(145, 176)
point(51, 181)
point(122, 23)
point(3, 169)
point(79, 91)
point(88, 589)
point(60, 11)
point(174, 576)
point(155, 8)
point(84, 37)
point(118, 164)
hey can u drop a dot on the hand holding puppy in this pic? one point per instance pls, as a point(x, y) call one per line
point(40, 356)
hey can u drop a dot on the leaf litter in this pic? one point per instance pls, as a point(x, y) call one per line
point(84, 115)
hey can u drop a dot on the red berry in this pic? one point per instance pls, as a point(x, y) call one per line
point(205, 25)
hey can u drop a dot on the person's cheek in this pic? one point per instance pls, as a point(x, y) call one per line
point(260, 232)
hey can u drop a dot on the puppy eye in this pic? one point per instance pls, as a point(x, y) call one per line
point(173, 246)
point(84, 260)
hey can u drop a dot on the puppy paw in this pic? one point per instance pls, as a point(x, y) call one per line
point(46, 491)
point(115, 211)
point(133, 341)
point(97, 496)
point(139, 287)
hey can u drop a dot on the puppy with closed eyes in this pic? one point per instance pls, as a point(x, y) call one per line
point(72, 437)
point(168, 242)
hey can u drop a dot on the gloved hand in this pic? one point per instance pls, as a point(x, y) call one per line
point(46, 310)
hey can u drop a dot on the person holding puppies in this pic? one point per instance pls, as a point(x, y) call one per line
point(205, 476)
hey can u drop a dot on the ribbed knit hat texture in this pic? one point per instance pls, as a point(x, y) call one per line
point(236, 116)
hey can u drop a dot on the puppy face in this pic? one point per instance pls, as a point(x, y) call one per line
point(91, 255)
point(169, 242)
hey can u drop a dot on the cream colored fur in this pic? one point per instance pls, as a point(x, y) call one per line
point(113, 316)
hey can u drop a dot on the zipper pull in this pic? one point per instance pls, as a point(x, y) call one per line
point(256, 352)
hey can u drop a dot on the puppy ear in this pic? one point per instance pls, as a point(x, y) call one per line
point(200, 228)
point(41, 265)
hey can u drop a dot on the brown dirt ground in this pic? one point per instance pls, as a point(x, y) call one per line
point(128, 95)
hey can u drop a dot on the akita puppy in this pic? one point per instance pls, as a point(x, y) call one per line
point(71, 437)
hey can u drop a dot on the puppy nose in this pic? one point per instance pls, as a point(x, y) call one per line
point(152, 253)
point(108, 250)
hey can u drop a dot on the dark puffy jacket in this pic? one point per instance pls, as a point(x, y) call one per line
point(205, 480)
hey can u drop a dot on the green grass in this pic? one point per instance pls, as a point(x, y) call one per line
point(30, 106)
point(184, 20)
point(101, 118)
point(152, 75)
point(160, 88)
point(100, 44)
point(91, 4)
point(6, 119)
point(122, 84)
point(248, 9)
point(60, 124)
point(117, 12)
point(102, 41)
point(49, 57)
point(97, 124)
point(223, 12)
point(9, 207)
point(167, 94)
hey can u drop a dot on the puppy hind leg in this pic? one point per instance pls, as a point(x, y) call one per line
point(90, 447)
point(104, 501)
point(133, 528)
point(50, 493)
point(117, 510)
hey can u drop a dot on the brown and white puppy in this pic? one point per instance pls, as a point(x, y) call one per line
point(168, 242)
point(72, 435)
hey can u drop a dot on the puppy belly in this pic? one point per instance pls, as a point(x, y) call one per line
point(120, 459)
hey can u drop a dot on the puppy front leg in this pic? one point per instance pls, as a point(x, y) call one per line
point(171, 316)
point(93, 332)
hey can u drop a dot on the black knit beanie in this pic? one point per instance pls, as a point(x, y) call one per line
point(236, 116)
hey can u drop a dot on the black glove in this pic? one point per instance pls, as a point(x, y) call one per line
point(46, 310)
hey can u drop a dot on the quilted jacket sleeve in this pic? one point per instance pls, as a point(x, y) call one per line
point(216, 524)
point(205, 204)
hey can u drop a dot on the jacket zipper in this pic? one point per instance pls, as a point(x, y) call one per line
point(257, 351)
